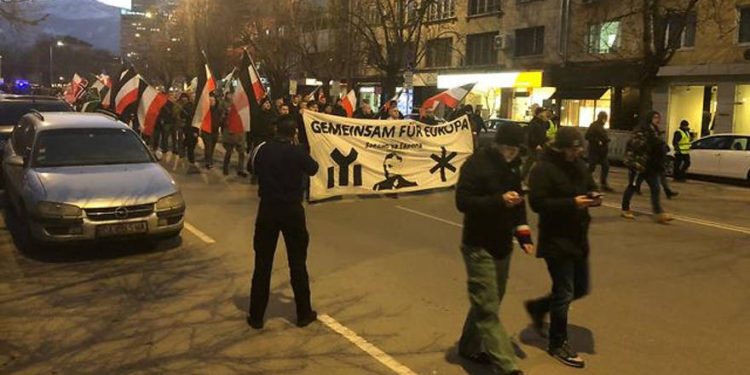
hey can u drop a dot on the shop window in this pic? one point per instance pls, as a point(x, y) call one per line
point(477, 7)
point(603, 37)
point(480, 49)
point(694, 104)
point(681, 31)
point(530, 41)
point(744, 23)
point(583, 112)
point(742, 110)
point(441, 10)
point(439, 52)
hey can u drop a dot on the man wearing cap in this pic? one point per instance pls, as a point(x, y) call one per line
point(561, 191)
point(488, 193)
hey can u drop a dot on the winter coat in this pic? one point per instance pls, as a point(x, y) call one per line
point(537, 133)
point(645, 151)
point(554, 183)
point(488, 222)
point(598, 140)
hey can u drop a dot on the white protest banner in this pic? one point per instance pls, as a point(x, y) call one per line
point(359, 156)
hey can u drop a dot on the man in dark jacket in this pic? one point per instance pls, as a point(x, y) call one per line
point(488, 193)
point(562, 190)
point(645, 155)
point(536, 138)
point(338, 109)
point(429, 117)
point(218, 113)
point(598, 140)
point(281, 166)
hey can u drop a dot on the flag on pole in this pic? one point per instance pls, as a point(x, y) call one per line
point(387, 105)
point(348, 102)
point(79, 86)
point(107, 98)
point(449, 98)
point(125, 74)
point(201, 118)
point(239, 118)
point(127, 94)
point(226, 82)
point(258, 91)
point(151, 103)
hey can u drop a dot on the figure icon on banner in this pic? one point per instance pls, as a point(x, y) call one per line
point(393, 181)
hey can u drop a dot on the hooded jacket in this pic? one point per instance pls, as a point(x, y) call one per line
point(488, 223)
point(554, 183)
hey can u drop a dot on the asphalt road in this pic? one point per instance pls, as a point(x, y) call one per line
point(388, 275)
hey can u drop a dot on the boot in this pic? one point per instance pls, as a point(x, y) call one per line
point(664, 218)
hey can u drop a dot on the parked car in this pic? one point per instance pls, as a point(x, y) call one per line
point(721, 155)
point(487, 137)
point(13, 107)
point(86, 176)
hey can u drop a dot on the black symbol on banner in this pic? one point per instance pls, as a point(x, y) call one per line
point(443, 162)
point(343, 163)
point(393, 180)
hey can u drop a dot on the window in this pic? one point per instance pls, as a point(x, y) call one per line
point(603, 37)
point(439, 52)
point(530, 41)
point(685, 26)
point(71, 147)
point(441, 9)
point(713, 143)
point(480, 49)
point(744, 28)
point(483, 6)
point(739, 144)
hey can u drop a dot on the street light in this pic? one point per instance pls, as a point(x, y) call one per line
point(59, 43)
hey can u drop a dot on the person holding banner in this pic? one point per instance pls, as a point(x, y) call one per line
point(489, 195)
point(281, 166)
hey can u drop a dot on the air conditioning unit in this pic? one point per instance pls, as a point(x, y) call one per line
point(502, 42)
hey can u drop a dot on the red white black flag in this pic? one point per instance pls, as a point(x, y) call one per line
point(201, 118)
point(450, 98)
point(239, 114)
point(258, 92)
point(151, 103)
point(349, 102)
point(127, 94)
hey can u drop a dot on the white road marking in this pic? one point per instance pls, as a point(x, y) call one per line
point(692, 220)
point(204, 237)
point(430, 216)
point(366, 347)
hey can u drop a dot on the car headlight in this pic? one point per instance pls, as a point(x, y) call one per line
point(54, 210)
point(170, 202)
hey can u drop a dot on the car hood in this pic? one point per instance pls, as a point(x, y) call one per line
point(106, 185)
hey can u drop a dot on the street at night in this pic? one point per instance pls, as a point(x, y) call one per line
point(665, 299)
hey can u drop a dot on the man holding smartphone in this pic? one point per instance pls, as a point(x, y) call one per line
point(488, 193)
point(562, 190)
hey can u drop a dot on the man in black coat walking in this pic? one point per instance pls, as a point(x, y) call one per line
point(598, 140)
point(489, 195)
point(281, 166)
point(536, 138)
point(562, 190)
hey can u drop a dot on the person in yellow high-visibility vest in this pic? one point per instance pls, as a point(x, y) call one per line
point(681, 143)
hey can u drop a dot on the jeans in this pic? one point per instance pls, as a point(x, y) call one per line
point(653, 181)
point(604, 162)
point(230, 147)
point(289, 219)
point(570, 281)
point(681, 165)
point(483, 332)
point(209, 142)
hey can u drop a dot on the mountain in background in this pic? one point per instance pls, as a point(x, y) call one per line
point(87, 20)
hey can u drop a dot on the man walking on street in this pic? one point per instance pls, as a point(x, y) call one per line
point(562, 190)
point(489, 195)
point(281, 167)
point(536, 138)
point(644, 155)
point(233, 141)
point(598, 140)
point(190, 133)
point(211, 138)
point(681, 143)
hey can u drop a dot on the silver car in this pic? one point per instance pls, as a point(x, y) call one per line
point(76, 176)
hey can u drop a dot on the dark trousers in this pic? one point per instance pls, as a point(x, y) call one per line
point(209, 144)
point(681, 165)
point(603, 161)
point(162, 137)
point(191, 140)
point(570, 281)
point(653, 181)
point(289, 219)
point(529, 162)
point(229, 148)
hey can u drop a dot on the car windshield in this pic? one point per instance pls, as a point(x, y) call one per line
point(71, 147)
point(11, 112)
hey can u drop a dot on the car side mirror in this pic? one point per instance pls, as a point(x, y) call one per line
point(15, 161)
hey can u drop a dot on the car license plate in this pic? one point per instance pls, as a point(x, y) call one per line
point(109, 230)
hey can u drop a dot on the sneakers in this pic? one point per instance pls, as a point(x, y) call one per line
point(537, 318)
point(306, 320)
point(568, 357)
point(664, 218)
point(628, 215)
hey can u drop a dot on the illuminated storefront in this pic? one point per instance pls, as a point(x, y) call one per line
point(581, 107)
point(501, 95)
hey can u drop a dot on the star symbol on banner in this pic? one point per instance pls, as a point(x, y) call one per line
point(443, 162)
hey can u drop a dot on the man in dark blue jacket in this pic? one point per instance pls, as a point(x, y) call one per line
point(281, 167)
point(488, 193)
